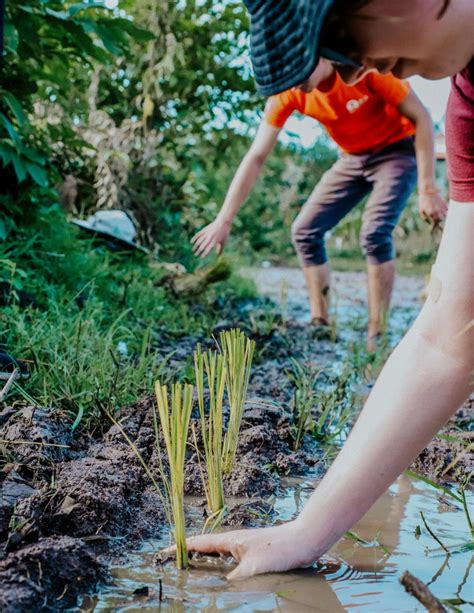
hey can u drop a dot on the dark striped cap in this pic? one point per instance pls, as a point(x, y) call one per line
point(284, 41)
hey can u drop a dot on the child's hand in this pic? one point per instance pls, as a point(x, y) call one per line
point(213, 235)
point(432, 206)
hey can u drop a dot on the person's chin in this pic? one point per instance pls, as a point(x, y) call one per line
point(404, 69)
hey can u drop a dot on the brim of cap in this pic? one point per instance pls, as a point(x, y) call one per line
point(284, 42)
point(87, 226)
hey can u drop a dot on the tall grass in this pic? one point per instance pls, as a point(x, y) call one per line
point(237, 351)
point(210, 366)
point(175, 425)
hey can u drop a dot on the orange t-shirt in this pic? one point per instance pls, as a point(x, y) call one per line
point(360, 118)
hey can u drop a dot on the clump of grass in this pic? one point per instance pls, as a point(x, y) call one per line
point(211, 366)
point(322, 414)
point(237, 351)
point(175, 425)
point(304, 400)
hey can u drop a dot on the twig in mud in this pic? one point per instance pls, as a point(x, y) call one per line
point(20, 441)
point(433, 534)
point(467, 451)
point(422, 593)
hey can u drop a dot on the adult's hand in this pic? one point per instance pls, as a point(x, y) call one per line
point(432, 206)
point(260, 550)
point(213, 235)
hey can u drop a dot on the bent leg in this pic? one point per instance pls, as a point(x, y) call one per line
point(339, 191)
point(424, 381)
point(393, 173)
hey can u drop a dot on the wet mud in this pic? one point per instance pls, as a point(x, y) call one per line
point(71, 504)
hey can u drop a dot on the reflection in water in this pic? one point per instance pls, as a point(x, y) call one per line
point(358, 575)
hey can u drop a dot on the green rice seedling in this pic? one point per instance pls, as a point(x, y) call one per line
point(459, 496)
point(211, 366)
point(323, 414)
point(237, 351)
point(304, 400)
point(175, 425)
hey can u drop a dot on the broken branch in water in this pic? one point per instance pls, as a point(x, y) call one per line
point(421, 592)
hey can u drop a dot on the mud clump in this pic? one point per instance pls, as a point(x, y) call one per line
point(450, 459)
point(48, 575)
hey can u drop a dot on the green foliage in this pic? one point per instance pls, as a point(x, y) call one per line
point(90, 321)
point(49, 45)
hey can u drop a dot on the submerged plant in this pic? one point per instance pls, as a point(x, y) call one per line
point(175, 424)
point(237, 351)
point(210, 366)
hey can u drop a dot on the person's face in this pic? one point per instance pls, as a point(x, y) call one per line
point(405, 38)
point(324, 69)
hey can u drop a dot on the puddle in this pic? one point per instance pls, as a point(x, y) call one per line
point(355, 577)
point(286, 286)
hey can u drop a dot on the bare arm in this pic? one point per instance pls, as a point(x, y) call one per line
point(216, 233)
point(424, 381)
point(431, 204)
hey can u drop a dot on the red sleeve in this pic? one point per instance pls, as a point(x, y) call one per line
point(278, 108)
point(392, 90)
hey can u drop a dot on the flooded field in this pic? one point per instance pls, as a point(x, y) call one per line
point(88, 518)
point(361, 573)
point(357, 575)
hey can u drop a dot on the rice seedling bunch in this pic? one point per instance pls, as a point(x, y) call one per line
point(211, 366)
point(237, 351)
point(175, 425)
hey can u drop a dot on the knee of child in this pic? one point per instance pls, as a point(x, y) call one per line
point(377, 245)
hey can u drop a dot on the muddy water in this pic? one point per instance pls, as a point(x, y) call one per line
point(358, 575)
point(355, 576)
point(348, 298)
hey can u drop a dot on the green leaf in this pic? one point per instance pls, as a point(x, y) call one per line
point(62, 15)
point(111, 39)
point(7, 151)
point(38, 174)
point(11, 38)
point(3, 230)
point(81, 6)
point(447, 491)
point(33, 155)
point(13, 134)
point(20, 169)
point(139, 34)
point(15, 107)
